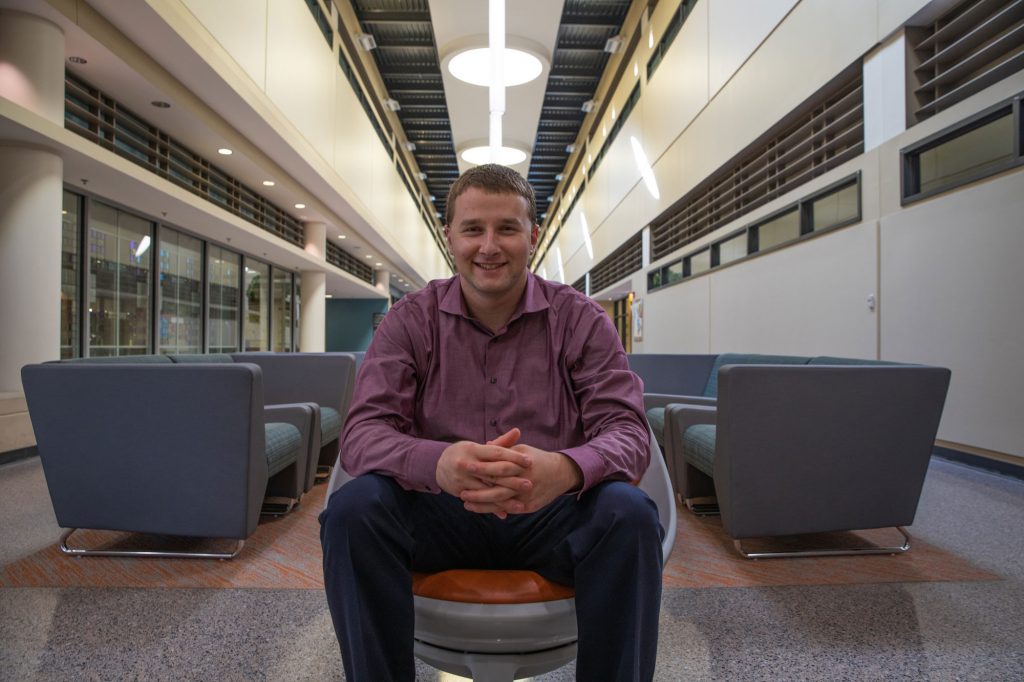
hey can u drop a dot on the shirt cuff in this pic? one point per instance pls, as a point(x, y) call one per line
point(590, 463)
point(421, 469)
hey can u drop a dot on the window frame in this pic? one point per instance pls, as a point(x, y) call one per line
point(910, 173)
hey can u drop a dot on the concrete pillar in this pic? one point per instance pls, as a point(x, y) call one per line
point(32, 64)
point(32, 76)
point(313, 314)
point(382, 283)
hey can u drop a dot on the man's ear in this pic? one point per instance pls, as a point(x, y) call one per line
point(448, 238)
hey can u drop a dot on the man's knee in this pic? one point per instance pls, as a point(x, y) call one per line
point(624, 506)
point(359, 504)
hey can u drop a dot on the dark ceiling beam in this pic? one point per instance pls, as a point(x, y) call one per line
point(388, 16)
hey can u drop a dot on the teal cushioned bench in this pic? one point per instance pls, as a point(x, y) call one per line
point(283, 443)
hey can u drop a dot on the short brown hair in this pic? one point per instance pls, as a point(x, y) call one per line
point(495, 179)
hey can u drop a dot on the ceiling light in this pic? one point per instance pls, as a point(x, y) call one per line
point(612, 45)
point(366, 41)
point(423, 176)
point(507, 156)
point(636, 69)
point(392, 104)
point(650, 38)
point(586, 235)
point(328, 295)
point(369, 255)
point(558, 178)
point(78, 60)
point(300, 206)
point(268, 183)
point(474, 66)
point(341, 236)
point(570, 148)
point(160, 104)
point(588, 106)
point(411, 146)
point(378, 264)
point(143, 246)
point(224, 151)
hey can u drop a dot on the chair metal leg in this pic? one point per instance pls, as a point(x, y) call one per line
point(853, 551)
point(77, 552)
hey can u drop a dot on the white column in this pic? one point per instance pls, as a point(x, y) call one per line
point(382, 283)
point(313, 317)
point(32, 76)
point(32, 61)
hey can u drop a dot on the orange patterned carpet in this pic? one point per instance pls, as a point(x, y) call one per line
point(285, 554)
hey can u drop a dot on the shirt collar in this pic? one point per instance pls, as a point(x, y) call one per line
point(534, 298)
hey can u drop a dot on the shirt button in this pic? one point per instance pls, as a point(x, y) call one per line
point(494, 422)
point(494, 380)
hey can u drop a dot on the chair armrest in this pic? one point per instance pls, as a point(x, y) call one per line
point(678, 418)
point(299, 415)
point(653, 400)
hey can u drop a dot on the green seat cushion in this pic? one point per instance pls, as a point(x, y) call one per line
point(656, 418)
point(282, 446)
point(711, 389)
point(330, 424)
point(699, 447)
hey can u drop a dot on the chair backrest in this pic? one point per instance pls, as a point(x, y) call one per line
point(658, 486)
point(156, 448)
point(711, 389)
point(819, 448)
point(322, 378)
point(674, 374)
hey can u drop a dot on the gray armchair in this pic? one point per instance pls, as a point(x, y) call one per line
point(806, 449)
point(322, 379)
point(169, 449)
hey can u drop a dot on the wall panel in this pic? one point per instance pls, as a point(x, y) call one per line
point(735, 29)
point(240, 26)
point(301, 73)
point(808, 299)
point(951, 280)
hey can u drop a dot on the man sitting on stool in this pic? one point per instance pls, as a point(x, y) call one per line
point(482, 401)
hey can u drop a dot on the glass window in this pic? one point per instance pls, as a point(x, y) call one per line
point(69, 271)
point(120, 267)
point(674, 272)
point(257, 305)
point(778, 230)
point(281, 307)
point(835, 208)
point(225, 299)
point(732, 249)
point(966, 157)
point(700, 262)
point(181, 293)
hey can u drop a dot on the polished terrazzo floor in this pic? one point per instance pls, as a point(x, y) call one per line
point(914, 631)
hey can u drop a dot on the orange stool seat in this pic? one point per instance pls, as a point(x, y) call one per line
point(477, 586)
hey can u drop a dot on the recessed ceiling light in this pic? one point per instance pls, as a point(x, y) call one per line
point(507, 156)
point(78, 60)
point(160, 104)
point(377, 264)
point(341, 236)
point(300, 206)
point(268, 183)
point(474, 66)
point(328, 295)
point(224, 151)
point(369, 255)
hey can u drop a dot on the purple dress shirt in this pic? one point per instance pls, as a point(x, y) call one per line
point(433, 376)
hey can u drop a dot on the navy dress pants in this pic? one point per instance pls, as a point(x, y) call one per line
point(606, 543)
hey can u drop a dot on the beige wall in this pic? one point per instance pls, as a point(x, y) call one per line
point(942, 271)
point(287, 59)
